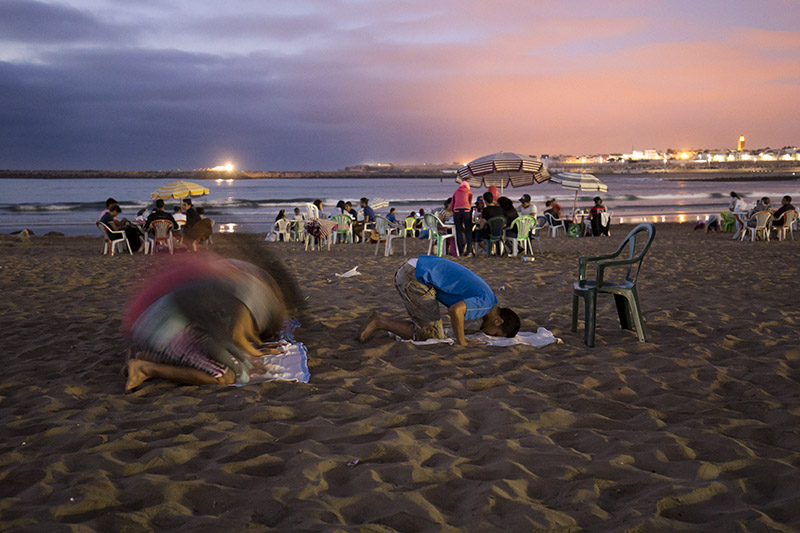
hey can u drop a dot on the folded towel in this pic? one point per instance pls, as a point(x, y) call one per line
point(542, 337)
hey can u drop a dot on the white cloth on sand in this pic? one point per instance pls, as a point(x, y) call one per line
point(542, 337)
point(289, 364)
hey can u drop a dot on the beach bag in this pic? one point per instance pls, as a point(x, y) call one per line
point(574, 230)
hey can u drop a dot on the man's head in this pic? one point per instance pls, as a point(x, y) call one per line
point(548, 203)
point(296, 210)
point(159, 204)
point(597, 200)
point(786, 200)
point(504, 323)
point(488, 198)
point(392, 210)
point(525, 200)
point(176, 209)
point(364, 202)
point(115, 209)
point(110, 202)
point(479, 203)
point(187, 202)
point(765, 201)
point(348, 206)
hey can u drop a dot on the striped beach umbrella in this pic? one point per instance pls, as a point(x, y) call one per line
point(502, 169)
point(179, 189)
point(578, 181)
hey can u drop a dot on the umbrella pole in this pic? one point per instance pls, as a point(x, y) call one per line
point(574, 206)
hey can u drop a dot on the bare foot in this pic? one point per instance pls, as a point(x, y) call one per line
point(369, 327)
point(136, 375)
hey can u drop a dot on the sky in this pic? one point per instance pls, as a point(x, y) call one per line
point(323, 84)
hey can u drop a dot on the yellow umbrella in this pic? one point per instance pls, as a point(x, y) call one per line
point(179, 189)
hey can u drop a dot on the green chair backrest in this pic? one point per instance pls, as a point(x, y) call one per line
point(432, 225)
point(634, 258)
point(523, 225)
point(343, 223)
point(496, 225)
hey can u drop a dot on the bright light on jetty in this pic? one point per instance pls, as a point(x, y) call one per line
point(227, 167)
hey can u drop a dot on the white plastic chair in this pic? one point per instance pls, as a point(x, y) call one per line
point(281, 228)
point(312, 211)
point(555, 224)
point(112, 238)
point(162, 236)
point(789, 220)
point(388, 231)
point(762, 218)
point(435, 229)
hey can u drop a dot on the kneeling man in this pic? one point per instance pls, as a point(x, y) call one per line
point(425, 282)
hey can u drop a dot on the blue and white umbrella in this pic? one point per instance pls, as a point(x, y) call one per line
point(578, 181)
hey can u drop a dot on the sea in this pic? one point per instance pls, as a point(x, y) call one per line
point(71, 206)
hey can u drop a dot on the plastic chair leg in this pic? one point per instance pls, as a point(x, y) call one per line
point(623, 311)
point(576, 300)
point(590, 321)
point(636, 315)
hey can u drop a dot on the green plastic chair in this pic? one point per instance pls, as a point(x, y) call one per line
point(410, 224)
point(344, 228)
point(523, 225)
point(625, 294)
point(496, 226)
point(435, 238)
point(728, 222)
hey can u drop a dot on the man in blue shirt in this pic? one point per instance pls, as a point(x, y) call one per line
point(425, 282)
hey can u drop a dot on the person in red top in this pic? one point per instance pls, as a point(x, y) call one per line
point(461, 205)
point(597, 219)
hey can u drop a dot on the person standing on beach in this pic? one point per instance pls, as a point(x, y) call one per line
point(461, 204)
point(427, 281)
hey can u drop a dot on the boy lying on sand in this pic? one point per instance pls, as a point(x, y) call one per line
point(426, 281)
point(194, 323)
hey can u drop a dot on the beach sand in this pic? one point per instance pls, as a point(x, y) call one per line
point(696, 430)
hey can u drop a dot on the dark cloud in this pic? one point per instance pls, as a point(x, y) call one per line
point(38, 22)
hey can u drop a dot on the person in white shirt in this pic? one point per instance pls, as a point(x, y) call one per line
point(526, 207)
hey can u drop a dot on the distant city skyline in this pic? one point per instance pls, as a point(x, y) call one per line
point(310, 85)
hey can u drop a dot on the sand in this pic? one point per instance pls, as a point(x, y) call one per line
point(695, 430)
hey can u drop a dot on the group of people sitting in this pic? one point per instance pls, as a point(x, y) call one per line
point(775, 221)
point(186, 219)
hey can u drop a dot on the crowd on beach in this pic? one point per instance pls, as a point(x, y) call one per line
point(468, 220)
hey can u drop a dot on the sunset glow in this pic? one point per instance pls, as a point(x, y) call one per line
point(317, 86)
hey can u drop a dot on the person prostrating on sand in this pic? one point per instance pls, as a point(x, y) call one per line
point(425, 282)
point(195, 323)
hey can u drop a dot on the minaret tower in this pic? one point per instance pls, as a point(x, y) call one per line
point(741, 143)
